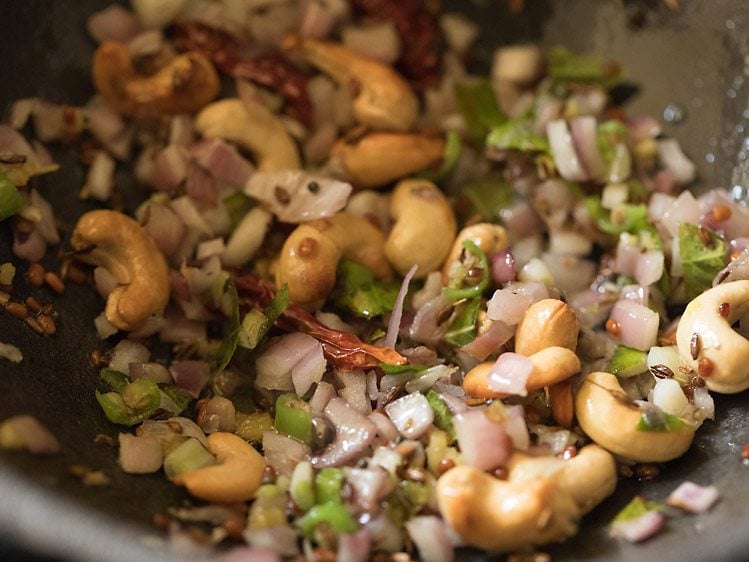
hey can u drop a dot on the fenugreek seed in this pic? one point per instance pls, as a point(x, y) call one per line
point(724, 309)
point(34, 305)
point(444, 466)
point(47, 324)
point(613, 327)
point(646, 471)
point(17, 310)
point(55, 283)
point(662, 372)
point(307, 248)
point(705, 367)
point(500, 473)
point(35, 274)
point(695, 346)
point(34, 324)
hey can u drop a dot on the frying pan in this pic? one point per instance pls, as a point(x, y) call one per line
point(693, 58)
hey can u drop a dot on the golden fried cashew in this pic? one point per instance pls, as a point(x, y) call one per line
point(547, 322)
point(550, 365)
point(309, 257)
point(119, 244)
point(184, 85)
point(423, 230)
point(235, 478)
point(589, 477)
point(500, 515)
point(610, 418)
point(383, 100)
point(709, 344)
point(253, 127)
point(490, 238)
point(377, 159)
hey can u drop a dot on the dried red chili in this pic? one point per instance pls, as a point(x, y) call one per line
point(271, 70)
point(343, 349)
point(421, 59)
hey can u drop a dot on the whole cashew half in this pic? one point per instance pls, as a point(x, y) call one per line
point(547, 322)
point(120, 245)
point(490, 238)
point(423, 230)
point(501, 515)
point(184, 85)
point(309, 257)
point(609, 418)
point(709, 344)
point(377, 159)
point(550, 365)
point(383, 99)
point(589, 477)
point(253, 127)
point(235, 478)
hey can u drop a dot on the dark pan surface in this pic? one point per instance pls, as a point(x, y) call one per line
point(694, 58)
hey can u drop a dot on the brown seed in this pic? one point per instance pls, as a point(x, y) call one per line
point(34, 324)
point(4, 297)
point(17, 310)
point(705, 367)
point(695, 346)
point(161, 520)
point(745, 453)
point(34, 305)
point(646, 471)
point(98, 359)
point(720, 213)
point(104, 439)
point(74, 274)
point(55, 283)
point(500, 473)
point(234, 527)
point(35, 274)
point(281, 195)
point(613, 327)
point(444, 466)
point(724, 309)
point(48, 325)
point(307, 248)
point(662, 372)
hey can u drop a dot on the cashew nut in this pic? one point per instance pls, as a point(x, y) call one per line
point(235, 478)
point(423, 230)
point(589, 477)
point(709, 344)
point(185, 84)
point(120, 245)
point(490, 238)
point(550, 365)
point(377, 159)
point(309, 257)
point(503, 515)
point(547, 322)
point(609, 418)
point(383, 99)
point(253, 127)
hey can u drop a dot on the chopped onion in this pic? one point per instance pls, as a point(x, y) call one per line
point(386, 536)
point(411, 414)
point(256, 553)
point(643, 128)
point(570, 273)
point(10, 352)
point(222, 161)
point(201, 187)
point(584, 136)
point(638, 325)
point(140, 454)
point(483, 443)
point(378, 40)
point(640, 528)
point(370, 485)
point(385, 428)
point(295, 196)
point(635, 293)
point(126, 352)
point(190, 215)
point(354, 433)
point(669, 397)
point(103, 327)
point(275, 367)
point(109, 128)
point(516, 427)
point(428, 378)
point(157, 13)
point(322, 395)
point(283, 453)
point(31, 248)
point(674, 159)
point(164, 226)
point(649, 267)
point(503, 267)
point(354, 390)
point(397, 314)
point(309, 370)
point(683, 209)
point(209, 248)
point(704, 405)
point(247, 237)
point(693, 498)
point(354, 547)
point(430, 535)
point(169, 168)
point(508, 305)
point(510, 373)
point(522, 219)
point(563, 150)
point(100, 179)
point(281, 539)
point(154, 371)
point(191, 376)
point(490, 341)
point(426, 327)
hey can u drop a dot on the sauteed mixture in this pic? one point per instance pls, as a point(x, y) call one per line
point(372, 305)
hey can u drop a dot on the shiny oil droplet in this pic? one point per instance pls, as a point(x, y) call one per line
point(674, 113)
